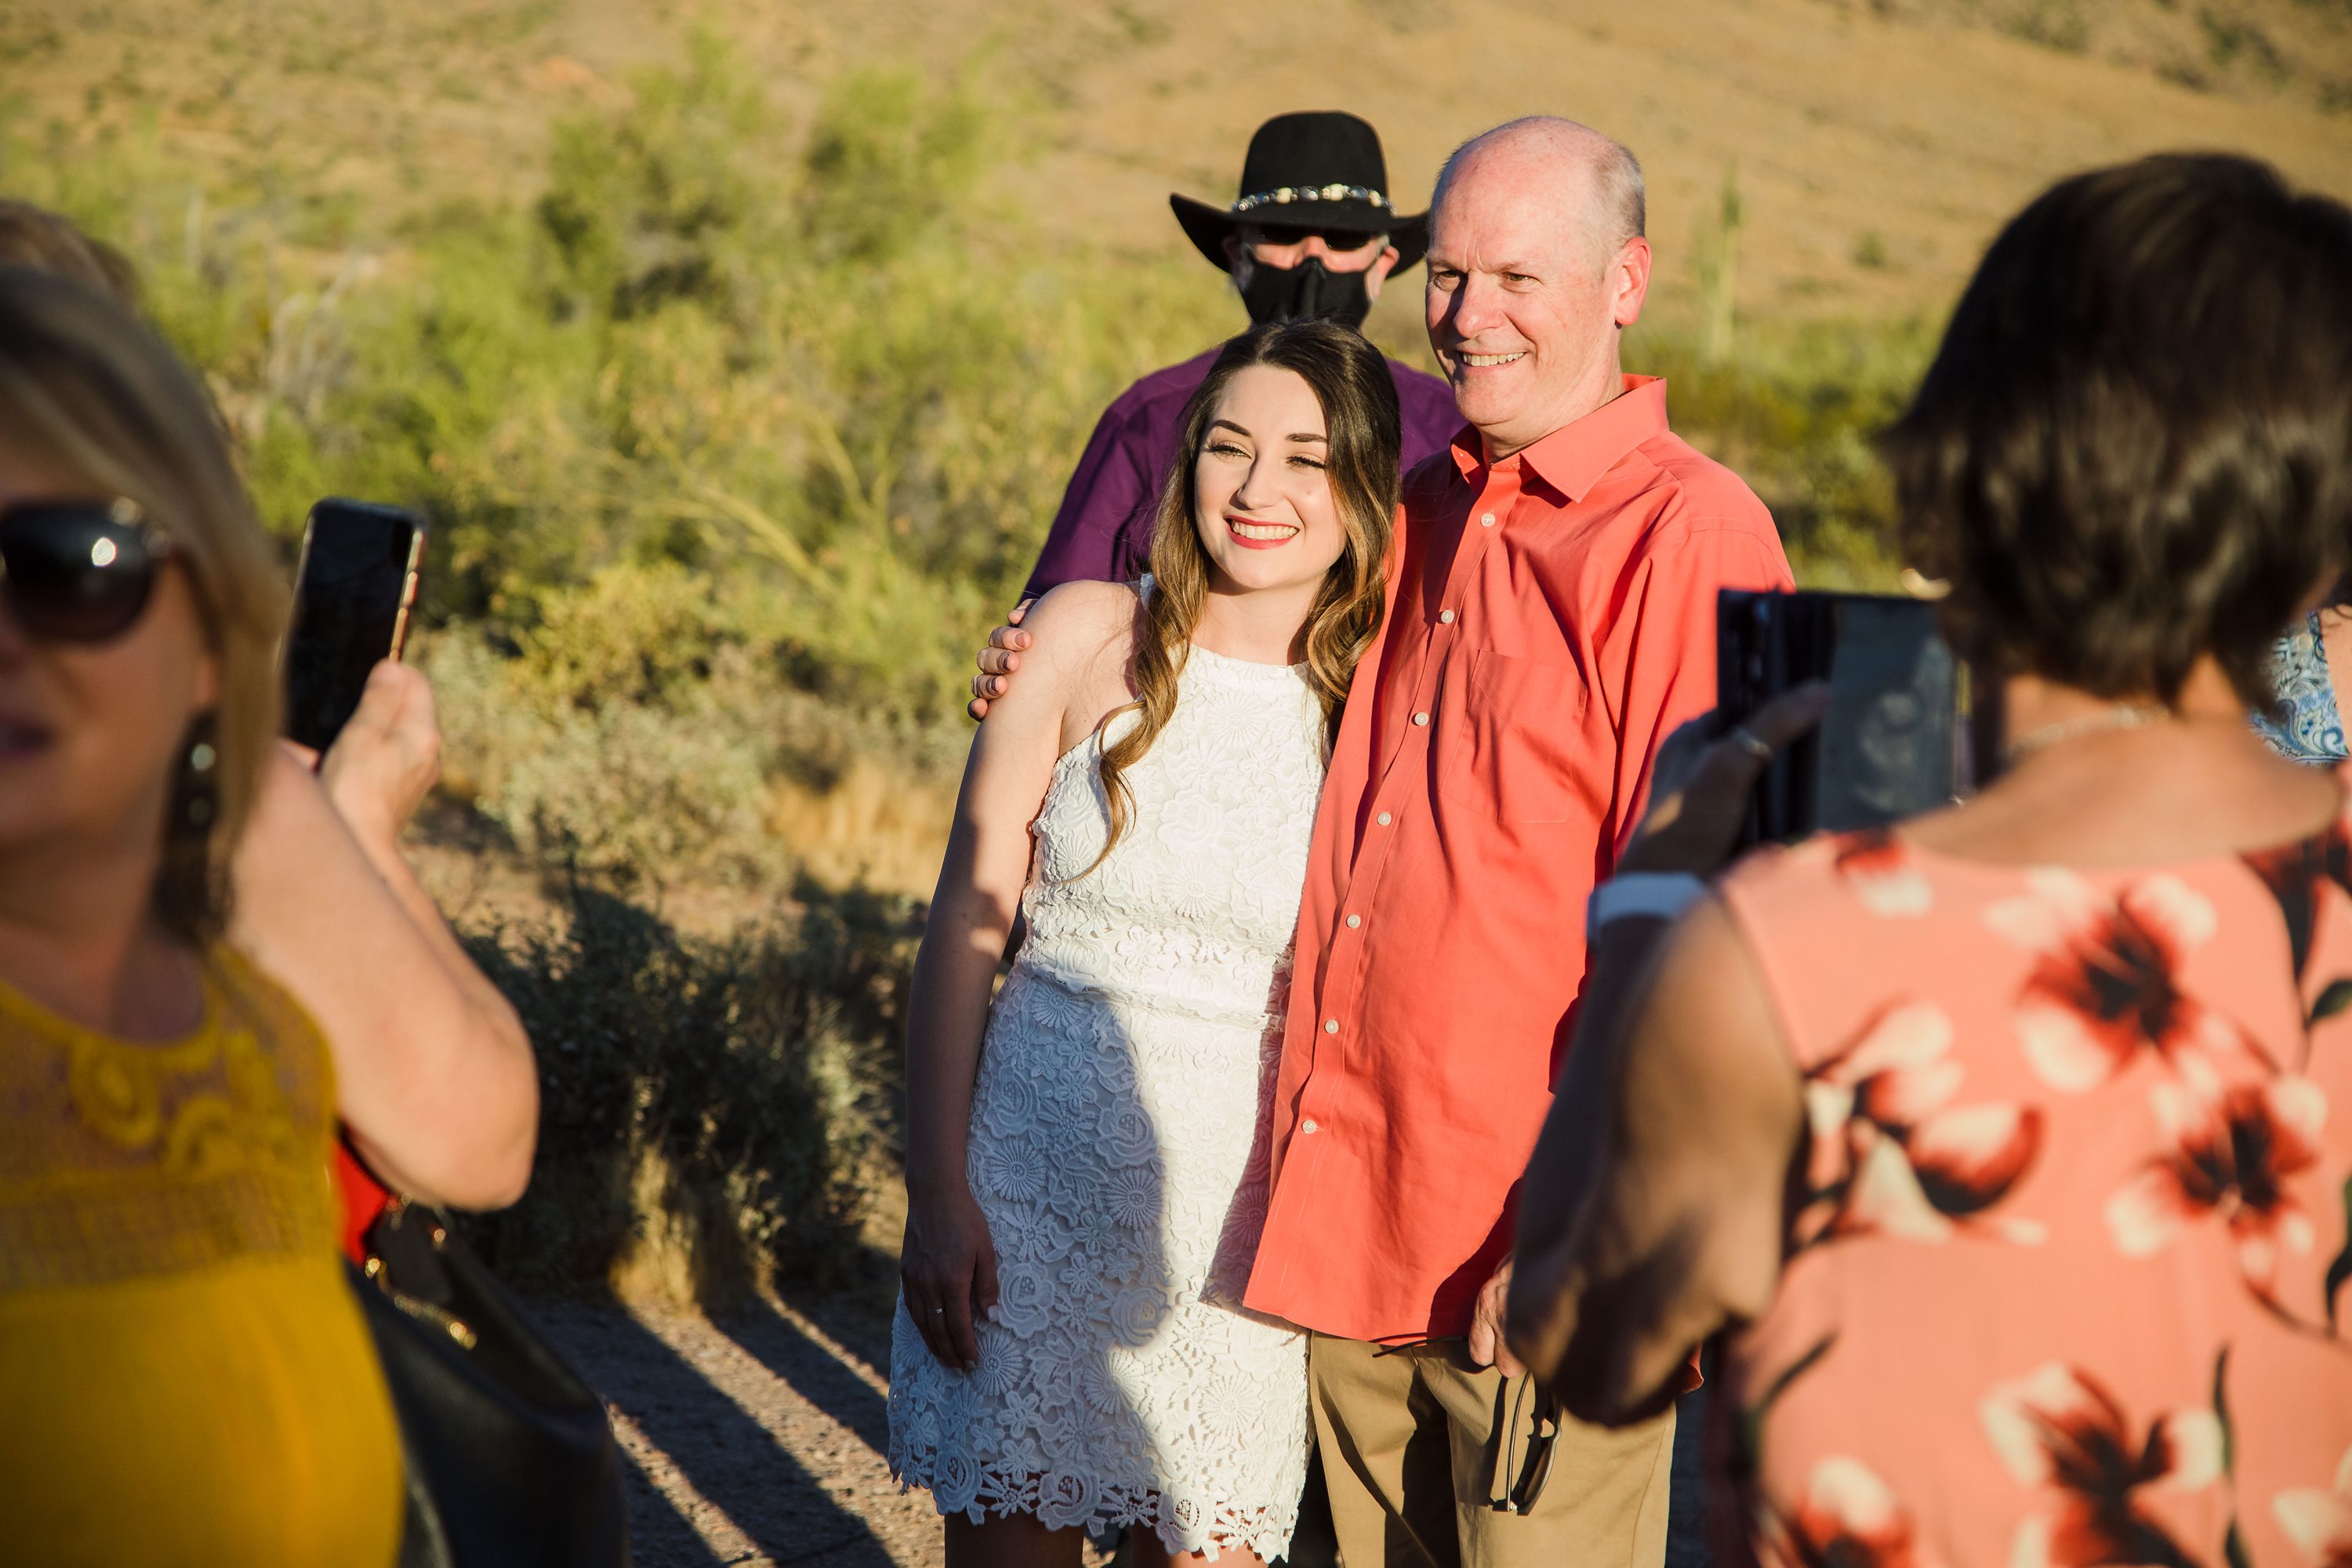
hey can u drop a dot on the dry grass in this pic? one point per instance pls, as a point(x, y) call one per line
point(874, 827)
point(1897, 130)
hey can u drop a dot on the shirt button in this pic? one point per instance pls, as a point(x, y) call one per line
point(1384, 819)
point(1355, 921)
point(1445, 617)
point(1310, 1125)
point(1330, 1026)
point(1421, 718)
point(1488, 519)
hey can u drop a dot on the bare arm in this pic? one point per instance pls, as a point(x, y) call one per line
point(947, 1265)
point(1651, 1210)
point(435, 1078)
point(1664, 1166)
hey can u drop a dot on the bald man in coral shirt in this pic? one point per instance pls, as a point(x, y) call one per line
point(1550, 621)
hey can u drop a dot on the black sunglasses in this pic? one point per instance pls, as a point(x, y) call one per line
point(1333, 238)
point(1526, 1481)
point(77, 570)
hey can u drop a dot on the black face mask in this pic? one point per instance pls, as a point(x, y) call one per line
point(1306, 293)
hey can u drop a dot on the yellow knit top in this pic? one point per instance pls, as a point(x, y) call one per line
point(185, 1377)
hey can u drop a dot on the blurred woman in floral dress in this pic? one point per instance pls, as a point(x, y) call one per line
point(2012, 1148)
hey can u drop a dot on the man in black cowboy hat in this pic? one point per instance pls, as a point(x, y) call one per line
point(1313, 234)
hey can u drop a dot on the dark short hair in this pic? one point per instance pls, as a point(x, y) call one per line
point(2134, 448)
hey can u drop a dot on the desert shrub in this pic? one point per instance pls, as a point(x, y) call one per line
point(636, 790)
point(639, 733)
point(712, 1111)
point(795, 363)
point(744, 430)
point(1794, 411)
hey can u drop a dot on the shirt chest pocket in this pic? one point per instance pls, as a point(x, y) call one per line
point(1508, 730)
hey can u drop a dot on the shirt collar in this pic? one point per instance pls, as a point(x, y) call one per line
point(1572, 459)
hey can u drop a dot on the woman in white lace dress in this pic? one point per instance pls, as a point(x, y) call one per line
point(1085, 1187)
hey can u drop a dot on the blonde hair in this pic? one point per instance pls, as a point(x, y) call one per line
point(1351, 382)
point(84, 381)
point(37, 237)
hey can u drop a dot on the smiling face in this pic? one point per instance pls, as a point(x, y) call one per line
point(1262, 498)
point(91, 735)
point(1529, 285)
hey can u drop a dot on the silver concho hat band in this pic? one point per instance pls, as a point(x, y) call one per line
point(1286, 195)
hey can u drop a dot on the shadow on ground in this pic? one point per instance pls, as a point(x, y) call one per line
point(750, 1444)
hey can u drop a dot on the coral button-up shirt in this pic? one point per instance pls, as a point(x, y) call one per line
point(1551, 619)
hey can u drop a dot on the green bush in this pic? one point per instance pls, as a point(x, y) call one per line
point(739, 430)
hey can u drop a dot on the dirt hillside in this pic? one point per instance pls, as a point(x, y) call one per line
point(1873, 145)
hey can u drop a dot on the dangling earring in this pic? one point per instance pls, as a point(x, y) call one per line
point(199, 792)
point(190, 890)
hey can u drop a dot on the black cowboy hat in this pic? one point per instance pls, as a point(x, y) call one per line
point(1322, 169)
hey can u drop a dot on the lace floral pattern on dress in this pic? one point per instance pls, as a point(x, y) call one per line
point(1119, 1150)
point(121, 1159)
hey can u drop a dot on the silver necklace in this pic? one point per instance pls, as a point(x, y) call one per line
point(2124, 716)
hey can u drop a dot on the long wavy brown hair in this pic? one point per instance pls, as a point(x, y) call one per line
point(1351, 382)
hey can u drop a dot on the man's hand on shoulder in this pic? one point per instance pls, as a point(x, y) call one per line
point(998, 660)
point(1060, 638)
point(1486, 1346)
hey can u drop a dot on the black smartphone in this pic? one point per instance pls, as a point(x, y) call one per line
point(352, 592)
point(1903, 731)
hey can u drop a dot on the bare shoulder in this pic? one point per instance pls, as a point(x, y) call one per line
point(1708, 978)
point(1080, 606)
point(1075, 669)
point(1083, 628)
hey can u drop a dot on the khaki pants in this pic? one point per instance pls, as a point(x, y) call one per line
point(1414, 1452)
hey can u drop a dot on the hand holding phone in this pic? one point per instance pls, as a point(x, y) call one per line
point(352, 595)
point(1702, 781)
point(388, 758)
point(1899, 736)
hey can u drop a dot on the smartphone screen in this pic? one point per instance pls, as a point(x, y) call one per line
point(351, 599)
point(1890, 746)
point(1898, 739)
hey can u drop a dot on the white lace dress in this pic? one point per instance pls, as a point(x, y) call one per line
point(1118, 1148)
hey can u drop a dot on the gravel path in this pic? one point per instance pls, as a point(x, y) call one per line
point(756, 1438)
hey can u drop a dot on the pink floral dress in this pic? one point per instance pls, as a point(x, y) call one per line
point(2067, 1279)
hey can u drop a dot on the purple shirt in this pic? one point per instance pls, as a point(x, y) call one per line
point(1103, 532)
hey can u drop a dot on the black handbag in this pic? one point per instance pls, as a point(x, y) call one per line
point(511, 1463)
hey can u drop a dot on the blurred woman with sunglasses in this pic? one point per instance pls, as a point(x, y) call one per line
point(2011, 1147)
point(187, 1377)
point(439, 1092)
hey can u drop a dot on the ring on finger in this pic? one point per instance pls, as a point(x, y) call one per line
point(1748, 741)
